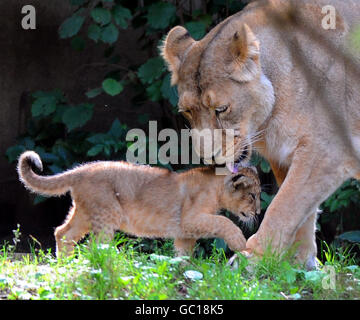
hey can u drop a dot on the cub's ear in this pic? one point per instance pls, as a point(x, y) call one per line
point(241, 181)
point(236, 181)
point(174, 47)
point(244, 50)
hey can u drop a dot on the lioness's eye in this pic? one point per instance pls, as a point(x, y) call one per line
point(221, 109)
point(186, 113)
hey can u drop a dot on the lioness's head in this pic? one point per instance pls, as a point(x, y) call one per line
point(221, 86)
point(242, 194)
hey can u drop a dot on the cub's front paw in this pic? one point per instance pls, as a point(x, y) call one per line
point(236, 242)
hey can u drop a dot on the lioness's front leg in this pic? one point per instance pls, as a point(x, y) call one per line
point(204, 225)
point(306, 242)
point(311, 178)
point(305, 235)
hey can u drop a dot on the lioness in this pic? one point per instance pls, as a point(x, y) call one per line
point(246, 75)
point(147, 201)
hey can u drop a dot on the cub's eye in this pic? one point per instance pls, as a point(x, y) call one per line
point(221, 109)
point(253, 196)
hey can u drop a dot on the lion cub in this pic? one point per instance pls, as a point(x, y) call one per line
point(147, 201)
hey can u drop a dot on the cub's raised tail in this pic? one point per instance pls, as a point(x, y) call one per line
point(55, 185)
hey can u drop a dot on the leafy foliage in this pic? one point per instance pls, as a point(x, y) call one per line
point(161, 14)
point(112, 87)
point(71, 26)
point(348, 193)
point(53, 132)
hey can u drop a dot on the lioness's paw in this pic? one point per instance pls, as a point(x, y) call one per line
point(253, 246)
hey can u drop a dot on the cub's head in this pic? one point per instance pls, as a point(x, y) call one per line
point(242, 194)
point(221, 86)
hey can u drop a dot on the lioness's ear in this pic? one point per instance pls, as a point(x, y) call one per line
point(244, 50)
point(174, 47)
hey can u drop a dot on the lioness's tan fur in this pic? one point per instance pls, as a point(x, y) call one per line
point(147, 201)
point(248, 65)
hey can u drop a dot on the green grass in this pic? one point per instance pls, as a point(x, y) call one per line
point(119, 271)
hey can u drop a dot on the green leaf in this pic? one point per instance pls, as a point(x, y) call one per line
point(101, 16)
point(256, 160)
point(334, 206)
point(265, 166)
point(154, 91)
point(57, 116)
point(266, 199)
point(98, 138)
point(112, 87)
point(313, 276)
point(94, 32)
point(116, 129)
point(346, 194)
point(197, 29)
point(14, 152)
point(161, 14)
point(44, 106)
point(351, 236)
point(121, 15)
point(169, 92)
point(110, 34)
point(75, 117)
point(289, 273)
point(220, 244)
point(107, 150)
point(45, 294)
point(95, 150)
point(151, 70)
point(290, 276)
point(71, 26)
point(353, 268)
point(94, 92)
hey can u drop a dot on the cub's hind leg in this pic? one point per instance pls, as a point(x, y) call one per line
point(106, 218)
point(71, 231)
point(211, 226)
point(184, 247)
